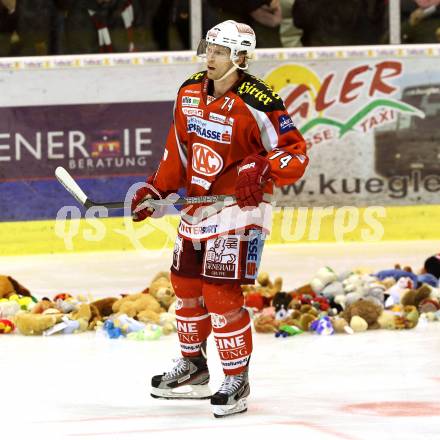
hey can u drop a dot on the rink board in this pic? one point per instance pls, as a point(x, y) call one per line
point(120, 233)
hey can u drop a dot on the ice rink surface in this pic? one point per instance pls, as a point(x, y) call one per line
point(380, 385)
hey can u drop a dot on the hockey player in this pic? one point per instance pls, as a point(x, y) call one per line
point(230, 135)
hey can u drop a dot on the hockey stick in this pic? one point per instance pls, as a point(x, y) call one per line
point(74, 189)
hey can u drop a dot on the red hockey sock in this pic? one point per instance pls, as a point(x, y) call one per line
point(193, 320)
point(231, 324)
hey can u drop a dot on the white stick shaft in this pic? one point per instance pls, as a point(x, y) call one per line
point(67, 181)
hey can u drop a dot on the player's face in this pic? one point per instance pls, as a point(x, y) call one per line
point(218, 61)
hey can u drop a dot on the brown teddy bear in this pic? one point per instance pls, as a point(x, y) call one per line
point(302, 315)
point(141, 306)
point(9, 286)
point(101, 310)
point(369, 311)
point(45, 305)
point(413, 297)
point(84, 313)
point(265, 324)
point(34, 323)
point(162, 289)
point(341, 325)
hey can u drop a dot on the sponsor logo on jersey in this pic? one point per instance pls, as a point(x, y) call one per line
point(195, 92)
point(222, 257)
point(197, 230)
point(226, 138)
point(200, 182)
point(190, 101)
point(217, 118)
point(286, 124)
point(205, 160)
point(212, 131)
point(192, 111)
point(209, 99)
point(254, 251)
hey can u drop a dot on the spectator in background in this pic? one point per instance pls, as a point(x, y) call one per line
point(264, 16)
point(80, 32)
point(8, 28)
point(168, 13)
point(423, 21)
point(106, 14)
point(340, 23)
point(290, 35)
point(39, 27)
point(100, 26)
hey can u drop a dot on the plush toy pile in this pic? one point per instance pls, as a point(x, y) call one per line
point(146, 315)
point(331, 303)
point(348, 302)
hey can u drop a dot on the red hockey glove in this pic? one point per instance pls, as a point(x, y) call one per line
point(142, 194)
point(253, 173)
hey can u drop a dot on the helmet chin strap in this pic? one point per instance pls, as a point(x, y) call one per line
point(231, 70)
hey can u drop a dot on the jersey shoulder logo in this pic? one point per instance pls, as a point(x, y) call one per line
point(258, 94)
point(205, 160)
point(286, 124)
point(194, 79)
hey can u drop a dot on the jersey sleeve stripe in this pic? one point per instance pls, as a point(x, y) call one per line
point(269, 136)
point(182, 149)
point(183, 154)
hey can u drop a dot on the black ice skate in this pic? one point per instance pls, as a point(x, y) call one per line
point(187, 380)
point(231, 397)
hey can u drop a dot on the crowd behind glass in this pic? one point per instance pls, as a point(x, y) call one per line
point(44, 27)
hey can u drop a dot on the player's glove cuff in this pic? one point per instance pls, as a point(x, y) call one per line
point(253, 173)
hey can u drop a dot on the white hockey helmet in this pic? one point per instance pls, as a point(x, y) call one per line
point(238, 37)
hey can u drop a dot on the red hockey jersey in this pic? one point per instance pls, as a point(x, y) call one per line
point(209, 138)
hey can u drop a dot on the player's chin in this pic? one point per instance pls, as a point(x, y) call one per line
point(214, 74)
point(211, 74)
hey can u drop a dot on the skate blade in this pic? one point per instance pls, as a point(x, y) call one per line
point(229, 410)
point(183, 392)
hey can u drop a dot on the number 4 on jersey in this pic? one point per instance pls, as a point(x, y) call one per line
point(284, 161)
point(228, 102)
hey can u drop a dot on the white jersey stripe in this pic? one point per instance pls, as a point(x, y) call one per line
point(181, 148)
point(269, 135)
